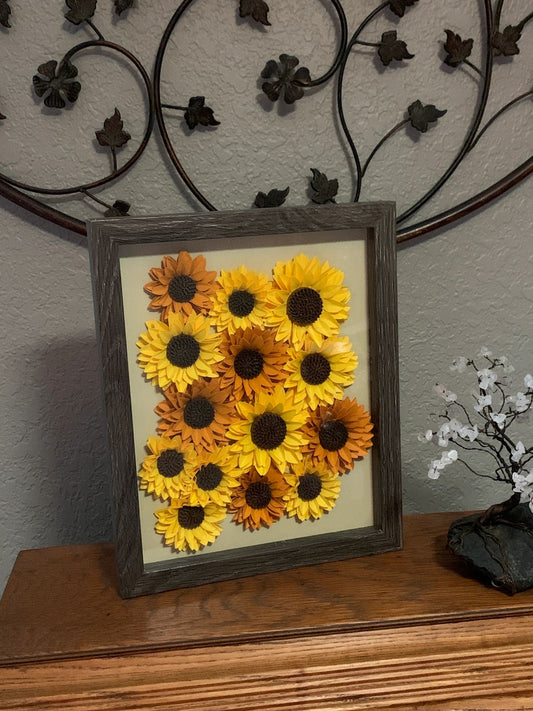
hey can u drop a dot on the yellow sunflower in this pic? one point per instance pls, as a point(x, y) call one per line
point(181, 285)
point(320, 373)
point(167, 470)
point(307, 299)
point(214, 478)
point(253, 362)
point(179, 352)
point(189, 528)
point(313, 489)
point(258, 500)
point(201, 415)
point(338, 434)
point(270, 431)
point(241, 300)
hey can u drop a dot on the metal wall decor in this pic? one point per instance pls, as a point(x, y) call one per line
point(58, 84)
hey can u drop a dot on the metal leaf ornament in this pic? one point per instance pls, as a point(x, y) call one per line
point(457, 49)
point(112, 134)
point(391, 48)
point(2, 117)
point(256, 9)
point(122, 5)
point(197, 113)
point(80, 10)
point(324, 189)
point(5, 12)
point(398, 6)
point(56, 85)
point(506, 43)
point(274, 198)
point(421, 115)
point(120, 208)
point(287, 81)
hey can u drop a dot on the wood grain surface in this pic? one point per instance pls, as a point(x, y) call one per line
point(408, 629)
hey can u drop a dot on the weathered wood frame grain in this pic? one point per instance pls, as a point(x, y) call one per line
point(105, 240)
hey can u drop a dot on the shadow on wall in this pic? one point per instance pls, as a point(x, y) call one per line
point(68, 480)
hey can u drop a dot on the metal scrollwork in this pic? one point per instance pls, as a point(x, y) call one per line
point(58, 83)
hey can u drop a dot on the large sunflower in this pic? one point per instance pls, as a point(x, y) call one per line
point(313, 489)
point(179, 352)
point(241, 300)
point(253, 362)
point(269, 431)
point(201, 414)
point(215, 476)
point(258, 500)
point(167, 470)
point(338, 434)
point(181, 285)
point(307, 299)
point(320, 373)
point(189, 528)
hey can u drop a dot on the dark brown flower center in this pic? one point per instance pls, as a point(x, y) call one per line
point(248, 363)
point(190, 516)
point(209, 477)
point(170, 463)
point(333, 435)
point(304, 306)
point(315, 369)
point(182, 288)
point(309, 486)
point(268, 430)
point(241, 302)
point(183, 350)
point(198, 413)
point(258, 495)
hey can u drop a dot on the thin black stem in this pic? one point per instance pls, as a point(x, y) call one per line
point(525, 21)
point(174, 106)
point(114, 154)
point(498, 14)
point(498, 114)
point(378, 146)
point(93, 197)
point(368, 44)
point(93, 27)
point(473, 66)
point(484, 476)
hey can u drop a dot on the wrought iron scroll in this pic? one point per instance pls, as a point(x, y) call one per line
point(57, 83)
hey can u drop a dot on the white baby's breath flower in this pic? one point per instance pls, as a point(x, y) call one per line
point(521, 401)
point(436, 465)
point(504, 361)
point(516, 454)
point(499, 419)
point(445, 394)
point(484, 352)
point(528, 381)
point(523, 484)
point(486, 378)
point(483, 401)
point(459, 364)
point(426, 436)
point(469, 433)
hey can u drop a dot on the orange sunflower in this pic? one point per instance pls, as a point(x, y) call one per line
point(253, 362)
point(338, 434)
point(258, 500)
point(181, 285)
point(201, 414)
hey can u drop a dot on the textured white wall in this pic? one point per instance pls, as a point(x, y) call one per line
point(467, 286)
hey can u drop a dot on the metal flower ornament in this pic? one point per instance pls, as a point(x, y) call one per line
point(485, 432)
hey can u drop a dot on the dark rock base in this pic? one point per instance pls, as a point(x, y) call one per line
point(500, 552)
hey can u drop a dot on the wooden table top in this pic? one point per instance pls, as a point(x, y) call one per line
point(62, 601)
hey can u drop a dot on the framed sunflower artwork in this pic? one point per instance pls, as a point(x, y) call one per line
point(250, 371)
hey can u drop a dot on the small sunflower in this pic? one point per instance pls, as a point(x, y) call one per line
point(189, 528)
point(253, 362)
point(338, 434)
point(258, 500)
point(321, 373)
point(270, 431)
point(241, 300)
point(214, 478)
point(167, 470)
point(179, 352)
point(181, 285)
point(201, 414)
point(307, 299)
point(313, 489)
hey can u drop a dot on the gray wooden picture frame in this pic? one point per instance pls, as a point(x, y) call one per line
point(106, 238)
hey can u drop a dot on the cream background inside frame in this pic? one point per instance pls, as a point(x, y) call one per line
point(344, 250)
